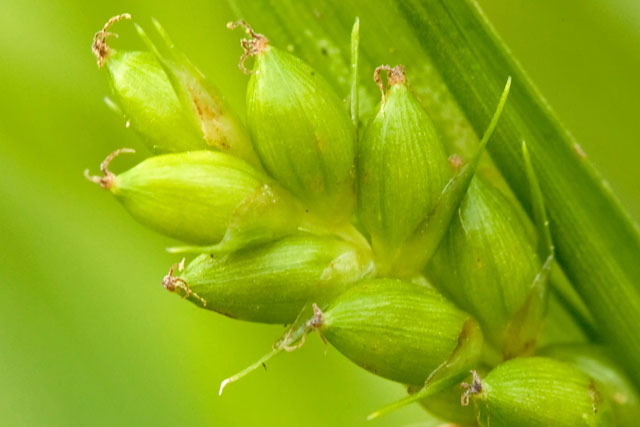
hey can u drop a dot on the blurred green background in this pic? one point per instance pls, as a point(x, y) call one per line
point(87, 334)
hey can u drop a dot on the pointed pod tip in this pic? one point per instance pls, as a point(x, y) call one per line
point(147, 41)
point(373, 416)
point(139, 29)
point(223, 385)
point(503, 97)
point(496, 115)
point(248, 369)
point(163, 33)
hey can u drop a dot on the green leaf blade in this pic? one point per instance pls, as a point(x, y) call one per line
point(597, 243)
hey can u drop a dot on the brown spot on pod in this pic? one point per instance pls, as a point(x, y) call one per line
point(167, 100)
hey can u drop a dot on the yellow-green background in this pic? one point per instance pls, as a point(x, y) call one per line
point(87, 334)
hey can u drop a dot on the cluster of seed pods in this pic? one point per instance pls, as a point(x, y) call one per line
point(416, 271)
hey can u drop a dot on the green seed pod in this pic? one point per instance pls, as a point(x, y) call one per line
point(486, 264)
point(272, 282)
point(168, 101)
point(538, 391)
point(609, 378)
point(145, 96)
point(300, 129)
point(401, 331)
point(402, 168)
point(201, 197)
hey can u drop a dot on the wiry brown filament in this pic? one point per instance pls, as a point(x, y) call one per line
point(474, 388)
point(99, 47)
point(106, 181)
point(170, 283)
point(395, 75)
point(253, 46)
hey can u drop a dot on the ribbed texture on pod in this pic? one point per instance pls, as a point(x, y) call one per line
point(486, 263)
point(610, 379)
point(538, 391)
point(195, 196)
point(302, 133)
point(272, 282)
point(149, 103)
point(401, 168)
point(398, 330)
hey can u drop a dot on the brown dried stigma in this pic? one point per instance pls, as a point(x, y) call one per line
point(171, 283)
point(474, 388)
point(99, 47)
point(395, 75)
point(106, 181)
point(253, 46)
